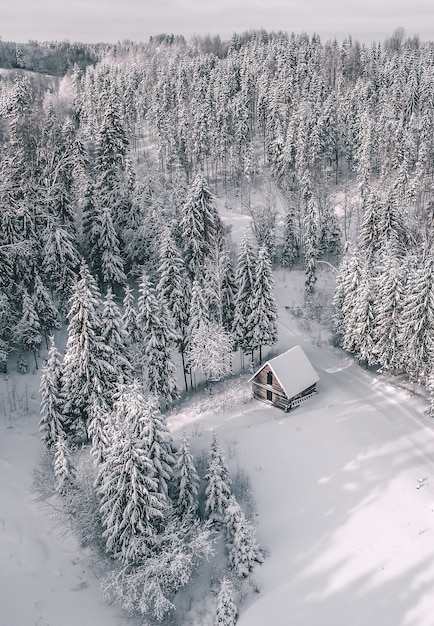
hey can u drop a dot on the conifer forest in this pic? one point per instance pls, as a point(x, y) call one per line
point(116, 160)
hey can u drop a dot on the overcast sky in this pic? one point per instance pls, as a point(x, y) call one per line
point(115, 20)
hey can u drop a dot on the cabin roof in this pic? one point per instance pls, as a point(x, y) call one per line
point(293, 370)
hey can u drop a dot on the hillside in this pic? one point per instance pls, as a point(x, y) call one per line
point(342, 487)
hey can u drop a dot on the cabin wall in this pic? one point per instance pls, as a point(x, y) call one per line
point(260, 388)
point(278, 396)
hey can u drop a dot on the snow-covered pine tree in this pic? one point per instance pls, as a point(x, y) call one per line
point(27, 332)
point(340, 292)
point(199, 225)
point(115, 337)
point(51, 422)
point(388, 304)
point(418, 319)
point(110, 266)
point(175, 290)
point(290, 249)
point(349, 279)
point(131, 507)
point(310, 245)
point(100, 427)
point(218, 489)
point(45, 308)
point(244, 551)
point(226, 612)
point(330, 236)
point(64, 470)
point(245, 279)
point(88, 367)
point(158, 445)
point(60, 260)
point(186, 482)
point(364, 331)
point(131, 328)
point(157, 338)
point(263, 314)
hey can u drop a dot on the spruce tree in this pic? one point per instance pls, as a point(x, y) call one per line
point(157, 337)
point(264, 311)
point(109, 264)
point(64, 470)
point(226, 612)
point(115, 337)
point(158, 444)
point(100, 427)
point(131, 328)
point(28, 330)
point(245, 281)
point(51, 422)
point(243, 549)
point(60, 260)
point(218, 490)
point(200, 224)
point(45, 308)
point(418, 320)
point(388, 305)
point(88, 361)
point(290, 249)
point(131, 507)
point(186, 482)
point(174, 289)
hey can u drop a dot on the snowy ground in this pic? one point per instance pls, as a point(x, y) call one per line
point(344, 491)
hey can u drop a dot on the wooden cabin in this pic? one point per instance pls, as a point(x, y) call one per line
point(285, 381)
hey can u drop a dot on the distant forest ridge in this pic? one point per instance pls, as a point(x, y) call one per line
point(58, 57)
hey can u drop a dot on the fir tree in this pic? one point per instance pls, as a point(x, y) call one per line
point(290, 249)
point(45, 308)
point(244, 551)
point(388, 304)
point(51, 422)
point(245, 280)
point(199, 225)
point(64, 470)
point(218, 489)
point(264, 311)
point(131, 328)
point(418, 320)
point(100, 428)
point(27, 331)
point(157, 336)
point(131, 507)
point(88, 367)
point(226, 613)
point(186, 481)
point(310, 247)
point(158, 444)
point(109, 263)
point(60, 261)
point(174, 289)
point(116, 339)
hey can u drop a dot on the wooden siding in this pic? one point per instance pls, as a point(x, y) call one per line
point(279, 398)
point(260, 388)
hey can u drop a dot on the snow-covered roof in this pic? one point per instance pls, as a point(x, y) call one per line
point(293, 370)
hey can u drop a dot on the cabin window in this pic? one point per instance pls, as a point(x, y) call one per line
point(269, 378)
point(269, 395)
